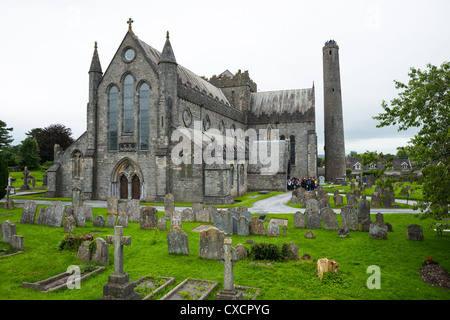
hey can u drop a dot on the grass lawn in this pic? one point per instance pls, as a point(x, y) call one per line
point(398, 259)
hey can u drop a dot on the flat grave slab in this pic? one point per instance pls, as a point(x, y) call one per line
point(191, 289)
point(59, 281)
point(202, 227)
point(154, 284)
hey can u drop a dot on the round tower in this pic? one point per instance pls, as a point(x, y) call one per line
point(334, 122)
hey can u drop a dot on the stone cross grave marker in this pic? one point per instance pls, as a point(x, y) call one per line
point(118, 240)
point(229, 291)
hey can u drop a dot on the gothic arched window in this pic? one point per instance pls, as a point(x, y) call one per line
point(144, 114)
point(128, 104)
point(113, 116)
point(76, 164)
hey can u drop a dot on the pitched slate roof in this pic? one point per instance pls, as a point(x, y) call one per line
point(285, 101)
point(186, 76)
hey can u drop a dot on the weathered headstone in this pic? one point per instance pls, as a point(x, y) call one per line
point(77, 200)
point(313, 205)
point(69, 224)
point(365, 224)
point(223, 221)
point(122, 209)
point(8, 230)
point(188, 215)
point(134, 210)
point(16, 242)
point(247, 214)
point(312, 219)
point(309, 235)
point(169, 206)
point(343, 232)
point(377, 230)
point(273, 230)
point(375, 200)
point(111, 221)
point(56, 214)
point(162, 223)
point(294, 200)
point(43, 216)
point(379, 217)
point(329, 218)
point(351, 199)
point(338, 200)
point(119, 287)
point(211, 242)
point(357, 193)
point(177, 241)
point(363, 209)
point(79, 217)
point(243, 228)
point(83, 253)
point(148, 218)
point(256, 226)
point(349, 217)
point(176, 219)
point(241, 251)
point(293, 249)
point(299, 220)
point(111, 205)
point(99, 221)
point(197, 209)
point(29, 213)
point(122, 220)
point(414, 232)
point(101, 254)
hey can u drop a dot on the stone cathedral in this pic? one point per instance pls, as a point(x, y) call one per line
point(143, 96)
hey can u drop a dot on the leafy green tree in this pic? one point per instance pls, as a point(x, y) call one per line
point(29, 154)
point(5, 137)
point(48, 137)
point(353, 154)
point(424, 103)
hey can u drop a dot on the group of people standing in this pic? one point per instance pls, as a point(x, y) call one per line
point(307, 184)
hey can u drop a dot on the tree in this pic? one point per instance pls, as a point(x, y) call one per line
point(48, 137)
point(29, 154)
point(4, 174)
point(5, 137)
point(353, 154)
point(425, 104)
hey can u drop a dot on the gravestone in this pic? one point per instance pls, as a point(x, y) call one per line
point(68, 211)
point(241, 251)
point(363, 209)
point(187, 215)
point(322, 180)
point(273, 230)
point(162, 223)
point(229, 291)
point(375, 200)
point(101, 254)
point(99, 221)
point(176, 219)
point(257, 227)
point(365, 224)
point(122, 209)
point(247, 214)
point(312, 219)
point(111, 205)
point(197, 208)
point(351, 199)
point(111, 221)
point(26, 175)
point(357, 193)
point(223, 221)
point(378, 230)
point(389, 199)
point(202, 216)
point(79, 217)
point(56, 214)
point(119, 287)
point(88, 212)
point(43, 216)
point(211, 211)
point(338, 200)
point(77, 200)
point(16, 242)
point(414, 232)
point(352, 186)
point(83, 253)
point(293, 249)
point(169, 206)
point(299, 220)
point(177, 241)
point(329, 218)
point(122, 220)
point(29, 213)
point(349, 217)
point(243, 226)
point(69, 224)
point(148, 218)
point(134, 208)
point(313, 205)
point(8, 230)
point(309, 235)
point(379, 217)
point(294, 200)
point(211, 242)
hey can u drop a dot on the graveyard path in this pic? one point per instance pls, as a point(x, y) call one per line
point(272, 205)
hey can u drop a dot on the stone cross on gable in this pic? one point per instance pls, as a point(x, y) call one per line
point(118, 240)
point(130, 22)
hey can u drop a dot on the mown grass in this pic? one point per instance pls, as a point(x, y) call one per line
point(398, 259)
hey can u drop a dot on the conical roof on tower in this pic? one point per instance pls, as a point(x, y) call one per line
point(167, 54)
point(95, 63)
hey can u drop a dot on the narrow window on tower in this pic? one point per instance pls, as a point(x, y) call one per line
point(128, 104)
point(292, 142)
point(113, 116)
point(144, 111)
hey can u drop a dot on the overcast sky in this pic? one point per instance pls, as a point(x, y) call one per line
point(48, 45)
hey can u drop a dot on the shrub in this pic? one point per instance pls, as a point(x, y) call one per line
point(71, 243)
point(270, 251)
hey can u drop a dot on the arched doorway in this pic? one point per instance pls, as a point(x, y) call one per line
point(135, 187)
point(127, 181)
point(123, 187)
